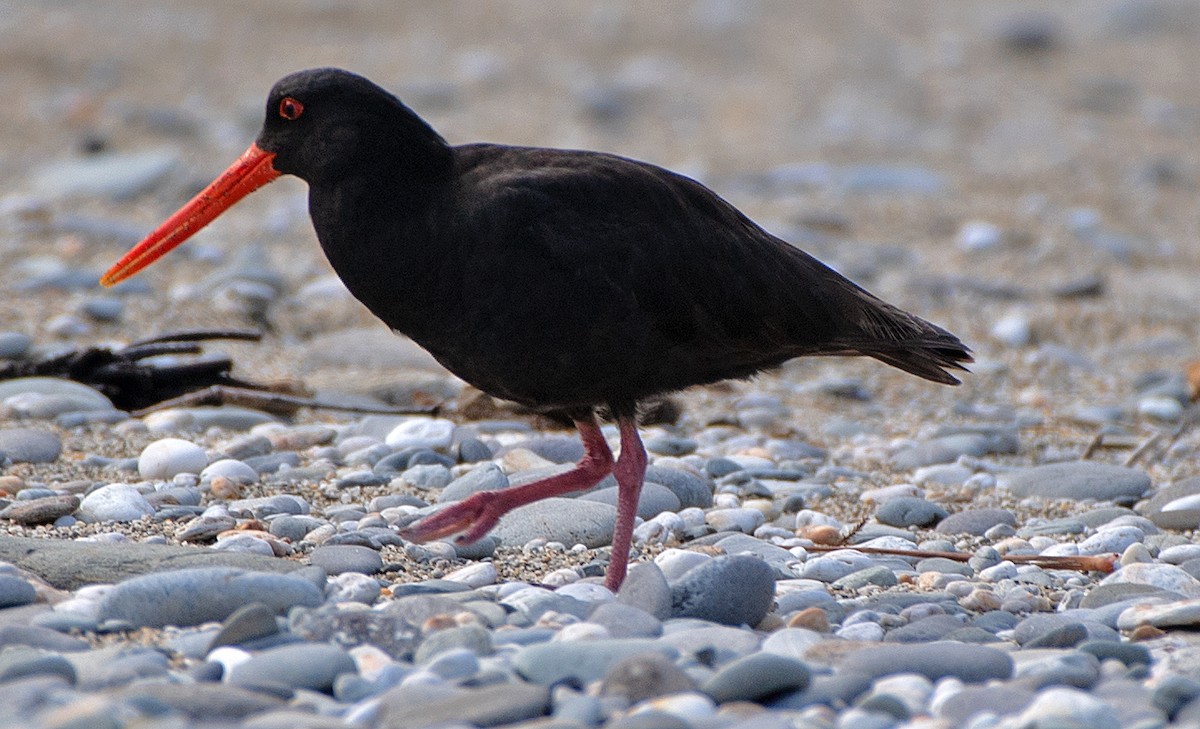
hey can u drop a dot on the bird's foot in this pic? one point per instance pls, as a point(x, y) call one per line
point(474, 516)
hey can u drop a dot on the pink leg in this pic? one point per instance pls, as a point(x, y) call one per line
point(476, 515)
point(630, 471)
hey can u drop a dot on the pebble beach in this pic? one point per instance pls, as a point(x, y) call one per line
point(830, 545)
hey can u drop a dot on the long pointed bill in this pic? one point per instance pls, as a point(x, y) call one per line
point(251, 171)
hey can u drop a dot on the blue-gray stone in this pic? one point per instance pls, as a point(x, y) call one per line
point(834, 690)
point(756, 677)
point(42, 634)
point(248, 623)
point(643, 676)
point(691, 489)
point(966, 662)
point(25, 662)
point(486, 477)
point(975, 521)
point(14, 592)
point(416, 706)
point(299, 666)
point(341, 558)
point(569, 521)
point(14, 344)
point(583, 661)
point(705, 591)
point(26, 445)
point(909, 511)
point(1000, 699)
point(473, 638)
point(925, 630)
point(645, 587)
point(626, 621)
point(652, 501)
point(193, 596)
point(1131, 654)
point(1077, 480)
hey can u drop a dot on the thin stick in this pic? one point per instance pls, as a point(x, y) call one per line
point(1092, 445)
point(272, 402)
point(1083, 563)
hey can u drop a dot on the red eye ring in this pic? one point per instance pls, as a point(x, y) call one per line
point(290, 108)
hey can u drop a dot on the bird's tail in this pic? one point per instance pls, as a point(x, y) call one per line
point(908, 342)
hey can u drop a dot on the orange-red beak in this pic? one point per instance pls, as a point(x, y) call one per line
point(251, 171)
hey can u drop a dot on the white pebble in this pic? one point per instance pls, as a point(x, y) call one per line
point(231, 469)
point(115, 502)
point(978, 235)
point(474, 575)
point(164, 458)
point(1159, 407)
point(422, 433)
point(1012, 330)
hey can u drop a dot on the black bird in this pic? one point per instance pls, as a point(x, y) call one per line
point(554, 278)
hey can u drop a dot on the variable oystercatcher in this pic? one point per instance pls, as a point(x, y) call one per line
point(558, 279)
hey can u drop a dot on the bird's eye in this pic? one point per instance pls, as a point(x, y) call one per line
point(290, 108)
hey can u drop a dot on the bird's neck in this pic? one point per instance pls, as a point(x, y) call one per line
point(379, 238)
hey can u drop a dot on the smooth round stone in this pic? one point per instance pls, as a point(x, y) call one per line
point(877, 575)
point(584, 661)
point(925, 630)
point(569, 521)
point(969, 701)
point(653, 499)
point(1176, 506)
point(945, 449)
point(1175, 692)
point(205, 528)
point(88, 398)
point(645, 675)
point(352, 587)
point(21, 663)
point(704, 592)
point(302, 666)
point(645, 587)
point(966, 662)
point(193, 596)
point(454, 664)
point(692, 490)
point(626, 621)
point(1013, 330)
point(1077, 480)
point(742, 519)
point(1065, 707)
point(473, 638)
point(14, 344)
point(26, 445)
point(474, 575)
point(433, 433)
point(115, 502)
point(485, 477)
point(1131, 654)
point(247, 623)
point(909, 511)
point(1162, 576)
point(552, 448)
point(975, 521)
point(165, 458)
point(426, 476)
point(756, 677)
point(674, 563)
point(1183, 613)
point(346, 558)
point(791, 642)
point(229, 468)
point(1116, 539)
point(14, 592)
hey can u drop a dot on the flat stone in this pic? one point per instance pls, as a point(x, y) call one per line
point(975, 521)
point(653, 499)
point(300, 666)
point(583, 661)
point(341, 558)
point(756, 677)
point(968, 663)
point(204, 702)
point(194, 596)
point(645, 675)
point(40, 511)
point(26, 445)
point(909, 511)
point(569, 521)
point(502, 704)
point(1163, 576)
point(645, 587)
point(485, 477)
point(1079, 480)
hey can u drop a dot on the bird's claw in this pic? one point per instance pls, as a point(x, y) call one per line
point(474, 516)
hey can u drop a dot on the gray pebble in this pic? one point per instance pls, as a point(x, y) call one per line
point(1077, 480)
point(584, 661)
point(626, 621)
point(26, 445)
point(756, 677)
point(302, 666)
point(703, 592)
point(907, 511)
point(646, 588)
point(968, 663)
point(485, 477)
point(975, 521)
point(652, 500)
point(645, 675)
point(14, 344)
point(193, 596)
point(691, 489)
point(248, 623)
point(346, 558)
point(569, 521)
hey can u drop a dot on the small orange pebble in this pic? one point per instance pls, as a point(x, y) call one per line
point(820, 534)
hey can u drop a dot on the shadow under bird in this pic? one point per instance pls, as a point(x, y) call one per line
point(554, 278)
